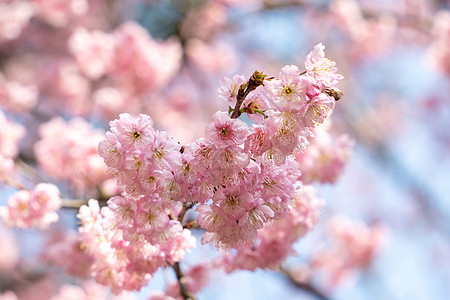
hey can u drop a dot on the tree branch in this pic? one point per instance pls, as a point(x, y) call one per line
point(255, 80)
point(306, 286)
point(184, 291)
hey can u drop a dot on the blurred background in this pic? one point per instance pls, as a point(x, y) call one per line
point(392, 199)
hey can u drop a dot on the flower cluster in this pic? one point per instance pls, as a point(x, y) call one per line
point(242, 178)
point(36, 208)
point(325, 159)
point(352, 246)
point(129, 240)
point(274, 241)
point(68, 151)
point(62, 245)
point(129, 55)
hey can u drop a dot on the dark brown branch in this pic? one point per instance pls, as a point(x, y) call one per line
point(255, 80)
point(184, 291)
point(186, 207)
point(306, 286)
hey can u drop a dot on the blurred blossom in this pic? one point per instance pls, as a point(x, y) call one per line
point(14, 17)
point(68, 151)
point(17, 97)
point(325, 159)
point(111, 101)
point(8, 295)
point(65, 250)
point(92, 50)
point(88, 291)
point(60, 12)
point(141, 63)
point(352, 247)
point(211, 58)
point(36, 208)
point(439, 51)
point(372, 36)
point(10, 135)
point(9, 256)
point(202, 24)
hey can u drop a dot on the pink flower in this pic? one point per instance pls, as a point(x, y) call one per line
point(258, 140)
point(16, 96)
point(233, 203)
point(14, 17)
point(211, 58)
point(256, 105)
point(210, 217)
point(353, 245)
point(164, 152)
point(288, 93)
point(130, 239)
point(10, 136)
point(274, 241)
point(255, 218)
point(92, 50)
point(8, 295)
point(68, 151)
point(133, 132)
point(32, 209)
point(59, 12)
point(9, 256)
point(89, 215)
point(140, 63)
point(67, 251)
point(325, 159)
point(321, 68)
point(318, 109)
point(158, 295)
point(225, 131)
point(229, 88)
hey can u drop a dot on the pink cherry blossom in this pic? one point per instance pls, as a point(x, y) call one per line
point(9, 256)
point(14, 17)
point(68, 151)
point(140, 63)
point(10, 136)
point(229, 88)
point(225, 131)
point(318, 109)
point(353, 246)
point(66, 250)
point(211, 58)
point(16, 96)
point(8, 295)
point(60, 12)
point(321, 68)
point(325, 159)
point(288, 91)
point(92, 50)
point(275, 240)
point(36, 208)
